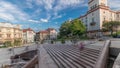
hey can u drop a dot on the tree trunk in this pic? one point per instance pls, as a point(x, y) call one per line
point(111, 32)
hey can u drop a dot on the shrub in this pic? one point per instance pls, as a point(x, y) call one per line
point(63, 41)
point(52, 42)
point(17, 42)
point(7, 44)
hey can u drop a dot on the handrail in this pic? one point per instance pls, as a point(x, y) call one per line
point(32, 62)
point(102, 61)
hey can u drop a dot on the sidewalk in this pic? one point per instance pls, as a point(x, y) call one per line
point(45, 60)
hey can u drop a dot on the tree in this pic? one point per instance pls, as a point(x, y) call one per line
point(8, 43)
point(111, 26)
point(17, 42)
point(72, 29)
point(65, 29)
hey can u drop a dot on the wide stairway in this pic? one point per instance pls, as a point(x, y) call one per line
point(68, 56)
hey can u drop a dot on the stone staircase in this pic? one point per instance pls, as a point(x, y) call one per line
point(68, 56)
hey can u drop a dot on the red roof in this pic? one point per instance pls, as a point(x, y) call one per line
point(49, 29)
point(29, 29)
point(44, 31)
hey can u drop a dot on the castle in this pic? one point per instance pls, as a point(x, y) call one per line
point(98, 12)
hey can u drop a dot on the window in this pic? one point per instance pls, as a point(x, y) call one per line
point(8, 35)
point(92, 19)
point(117, 15)
point(92, 14)
point(104, 12)
point(91, 7)
point(104, 18)
point(95, 5)
point(8, 30)
point(0, 35)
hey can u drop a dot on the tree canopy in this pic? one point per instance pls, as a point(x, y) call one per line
point(74, 28)
point(111, 26)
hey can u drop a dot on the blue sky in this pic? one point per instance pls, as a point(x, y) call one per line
point(41, 14)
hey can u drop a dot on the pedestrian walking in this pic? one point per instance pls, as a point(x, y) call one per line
point(10, 50)
point(81, 46)
point(26, 48)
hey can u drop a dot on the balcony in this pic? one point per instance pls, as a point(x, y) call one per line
point(93, 23)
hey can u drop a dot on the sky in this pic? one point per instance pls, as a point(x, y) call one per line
point(43, 14)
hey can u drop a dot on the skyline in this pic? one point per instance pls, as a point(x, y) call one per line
point(42, 14)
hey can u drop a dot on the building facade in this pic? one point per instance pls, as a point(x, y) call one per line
point(10, 32)
point(43, 35)
point(52, 33)
point(28, 35)
point(98, 12)
point(48, 34)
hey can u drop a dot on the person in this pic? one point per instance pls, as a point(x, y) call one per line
point(10, 50)
point(81, 46)
point(27, 48)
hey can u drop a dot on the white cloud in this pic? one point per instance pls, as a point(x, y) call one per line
point(10, 12)
point(114, 4)
point(44, 20)
point(34, 21)
point(29, 3)
point(57, 4)
point(56, 16)
point(48, 4)
point(63, 4)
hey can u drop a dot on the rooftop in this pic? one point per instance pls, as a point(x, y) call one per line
point(29, 29)
point(5, 24)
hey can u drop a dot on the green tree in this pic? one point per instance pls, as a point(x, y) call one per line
point(7, 43)
point(17, 42)
point(111, 26)
point(72, 29)
point(65, 30)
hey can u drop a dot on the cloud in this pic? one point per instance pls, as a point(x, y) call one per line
point(47, 4)
point(10, 12)
point(33, 21)
point(57, 4)
point(63, 4)
point(114, 4)
point(29, 3)
point(44, 20)
point(56, 16)
point(51, 7)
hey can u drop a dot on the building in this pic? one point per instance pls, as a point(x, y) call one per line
point(9, 32)
point(52, 33)
point(98, 12)
point(28, 35)
point(43, 35)
point(47, 34)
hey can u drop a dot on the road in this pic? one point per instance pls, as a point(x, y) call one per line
point(5, 53)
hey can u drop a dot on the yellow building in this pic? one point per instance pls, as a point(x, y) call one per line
point(9, 32)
